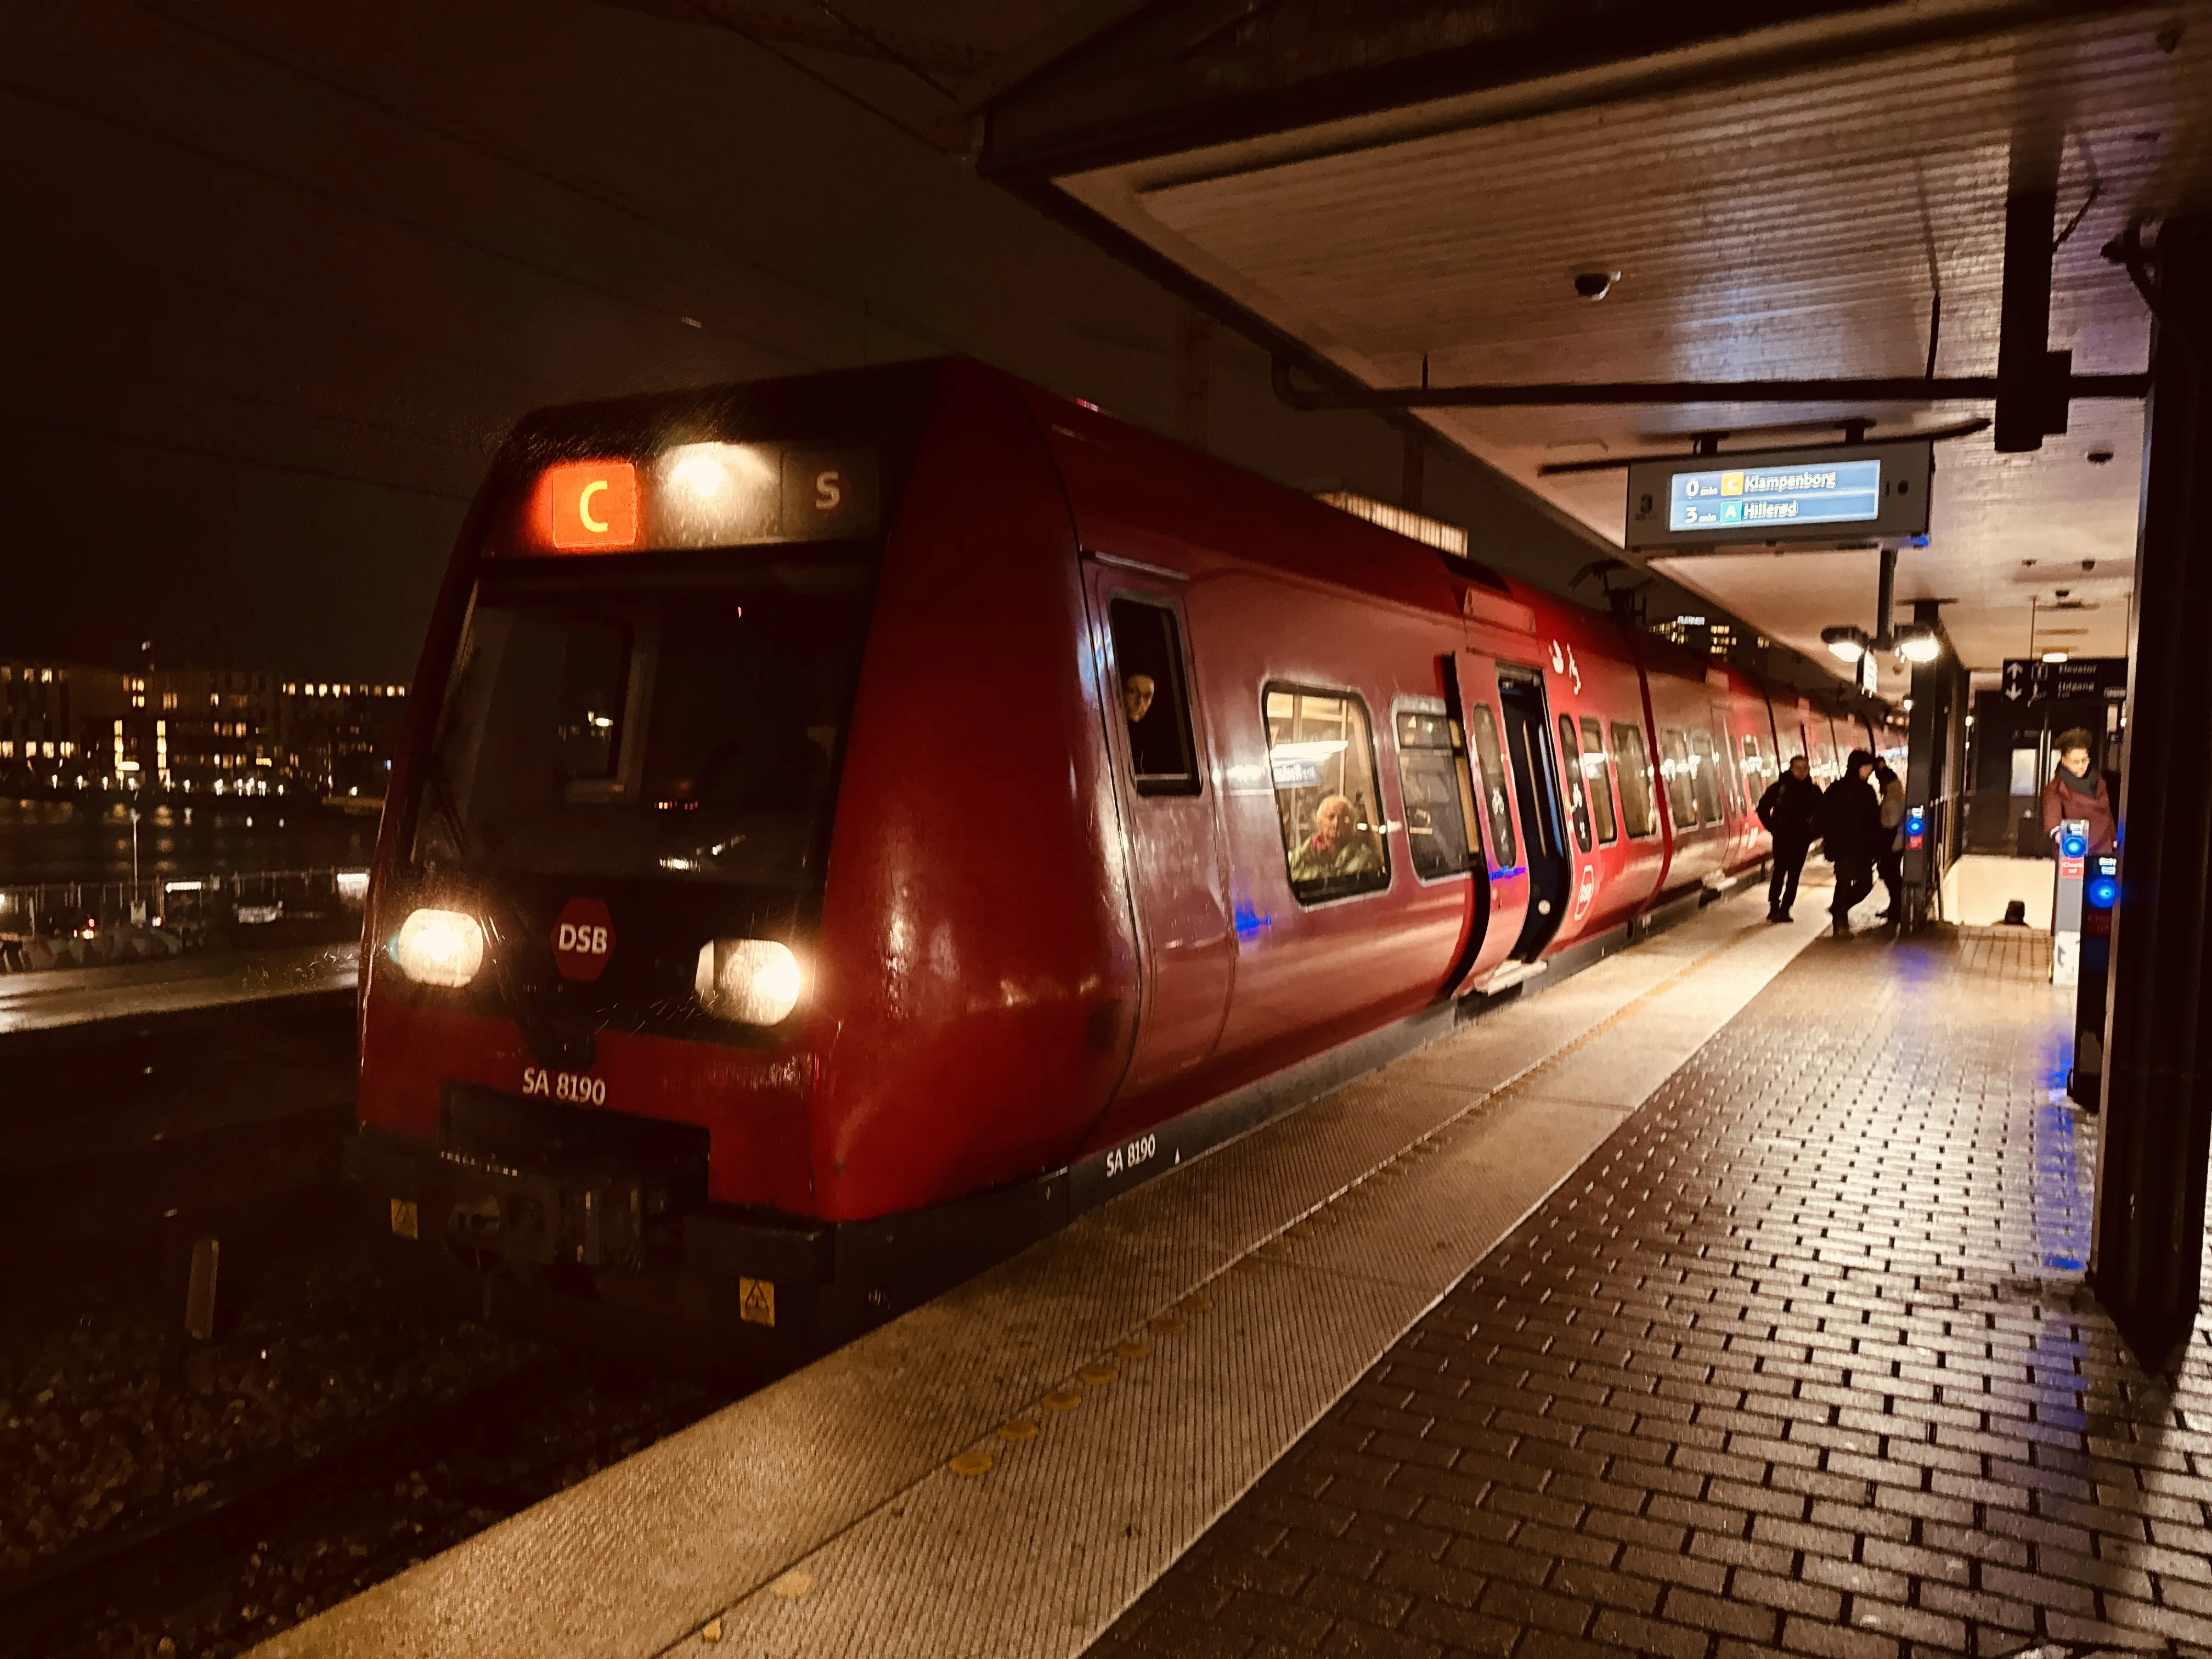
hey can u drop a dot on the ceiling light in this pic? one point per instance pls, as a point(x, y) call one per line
point(1916, 642)
point(2054, 656)
point(1844, 642)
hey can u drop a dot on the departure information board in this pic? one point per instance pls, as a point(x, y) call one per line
point(1874, 489)
point(1842, 492)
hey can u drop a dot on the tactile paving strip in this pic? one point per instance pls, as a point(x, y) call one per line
point(788, 1514)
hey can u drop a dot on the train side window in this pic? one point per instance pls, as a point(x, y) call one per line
point(1430, 756)
point(1571, 763)
point(1754, 776)
point(1482, 727)
point(1674, 768)
point(1637, 808)
point(1155, 704)
point(1601, 785)
point(1327, 797)
point(1769, 769)
point(1703, 783)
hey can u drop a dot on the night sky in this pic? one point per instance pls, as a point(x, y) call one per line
point(282, 279)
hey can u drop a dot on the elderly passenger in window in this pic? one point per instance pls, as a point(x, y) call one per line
point(1337, 847)
point(1137, 693)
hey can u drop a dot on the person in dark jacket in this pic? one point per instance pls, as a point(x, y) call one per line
point(2077, 790)
point(1889, 858)
point(1791, 810)
point(1851, 835)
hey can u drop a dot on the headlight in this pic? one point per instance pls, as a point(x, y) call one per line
point(438, 947)
point(756, 980)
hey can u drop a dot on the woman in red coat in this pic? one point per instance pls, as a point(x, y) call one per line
point(2077, 792)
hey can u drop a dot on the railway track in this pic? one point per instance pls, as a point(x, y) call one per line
point(297, 1530)
point(115, 1134)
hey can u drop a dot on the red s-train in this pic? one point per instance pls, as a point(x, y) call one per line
point(851, 824)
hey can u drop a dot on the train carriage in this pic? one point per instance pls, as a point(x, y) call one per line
point(851, 824)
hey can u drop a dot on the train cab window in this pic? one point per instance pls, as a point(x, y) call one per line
point(1600, 785)
point(1432, 769)
point(597, 724)
point(1327, 798)
point(587, 724)
point(1571, 765)
point(1704, 783)
point(1482, 727)
point(1675, 768)
point(1638, 810)
point(1155, 706)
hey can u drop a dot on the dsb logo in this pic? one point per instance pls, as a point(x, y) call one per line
point(583, 939)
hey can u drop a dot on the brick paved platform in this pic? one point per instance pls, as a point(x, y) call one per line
point(1801, 1360)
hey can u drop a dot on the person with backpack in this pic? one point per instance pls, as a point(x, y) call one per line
point(1851, 837)
point(1789, 809)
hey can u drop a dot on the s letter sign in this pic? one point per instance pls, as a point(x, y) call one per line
point(583, 939)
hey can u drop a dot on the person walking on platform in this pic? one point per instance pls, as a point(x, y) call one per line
point(1791, 810)
point(1889, 859)
point(1850, 834)
point(2076, 792)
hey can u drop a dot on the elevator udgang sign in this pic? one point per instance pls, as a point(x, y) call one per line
point(583, 939)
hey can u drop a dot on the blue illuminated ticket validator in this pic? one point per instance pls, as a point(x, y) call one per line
point(1831, 492)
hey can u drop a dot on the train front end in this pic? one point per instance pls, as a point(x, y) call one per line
point(584, 1073)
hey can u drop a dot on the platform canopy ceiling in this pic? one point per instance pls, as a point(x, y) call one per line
point(1783, 191)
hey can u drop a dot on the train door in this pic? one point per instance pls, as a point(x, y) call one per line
point(1536, 790)
point(1475, 682)
point(1177, 880)
point(1436, 774)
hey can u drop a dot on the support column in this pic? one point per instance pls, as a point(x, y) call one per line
point(2150, 1224)
point(1933, 772)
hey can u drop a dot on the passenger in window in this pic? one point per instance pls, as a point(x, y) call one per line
point(1137, 693)
point(1337, 847)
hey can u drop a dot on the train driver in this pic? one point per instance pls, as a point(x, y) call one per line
point(1337, 847)
point(1136, 692)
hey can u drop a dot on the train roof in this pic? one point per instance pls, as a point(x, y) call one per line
point(1131, 491)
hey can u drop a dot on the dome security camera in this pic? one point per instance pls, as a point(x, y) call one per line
point(1596, 284)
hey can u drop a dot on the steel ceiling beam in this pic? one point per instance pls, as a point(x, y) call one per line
point(1566, 393)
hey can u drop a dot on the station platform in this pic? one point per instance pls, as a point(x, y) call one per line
point(1724, 1298)
point(82, 996)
